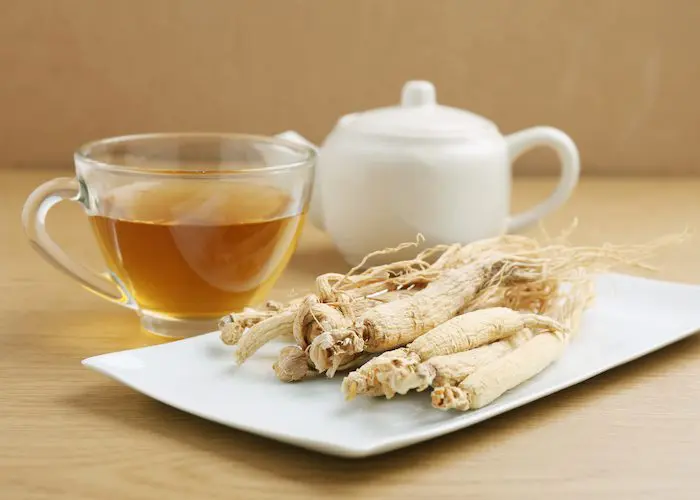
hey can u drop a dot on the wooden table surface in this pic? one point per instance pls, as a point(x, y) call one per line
point(69, 433)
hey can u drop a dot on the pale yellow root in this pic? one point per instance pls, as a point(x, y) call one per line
point(315, 321)
point(387, 296)
point(491, 381)
point(535, 297)
point(364, 380)
point(232, 326)
point(395, 324)
point(430, 264)
point(453, 368)
point(426, 266)
point(293, 364)
point(448, 369)
point(478, 328)
point(230, 333)
point(560, 260)
point(335, 348)
point(314, 317)
point(401, 370)
point(261, 333)
point(337, 308)
point(523, 283)
point(305, 320)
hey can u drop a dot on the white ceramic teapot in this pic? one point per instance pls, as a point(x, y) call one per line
point(387, 174)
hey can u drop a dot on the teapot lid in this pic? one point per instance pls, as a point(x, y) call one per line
point(420, 116)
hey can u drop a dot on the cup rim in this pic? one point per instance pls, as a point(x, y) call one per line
point(309, 154)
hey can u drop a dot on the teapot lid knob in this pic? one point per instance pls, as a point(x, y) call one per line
point(418, 93)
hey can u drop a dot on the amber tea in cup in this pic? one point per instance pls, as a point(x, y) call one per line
point(191, 226)
point(191, 264)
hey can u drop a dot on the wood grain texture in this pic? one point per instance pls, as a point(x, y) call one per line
point(69, 433)
point(620, 76)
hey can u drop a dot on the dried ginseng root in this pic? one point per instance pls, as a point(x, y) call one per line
point(534, 297)
point(306, 321)
point(292, 364)
point(303, 321)
point(232, 326)
point(397, 371)
point(489, 382)
point(366, 310)
point(332, 307)
point(397, 323)
point(349, 295)
point(407, 374)
point(451, 369)
point(263, 332)
point(310, 320)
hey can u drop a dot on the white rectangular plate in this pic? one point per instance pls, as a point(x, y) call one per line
point(631, 317)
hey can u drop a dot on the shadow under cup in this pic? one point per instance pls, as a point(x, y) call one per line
point(192, 226)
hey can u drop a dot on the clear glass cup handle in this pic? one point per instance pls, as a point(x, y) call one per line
point(34, 214)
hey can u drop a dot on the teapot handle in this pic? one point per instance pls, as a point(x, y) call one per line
point(520, 142)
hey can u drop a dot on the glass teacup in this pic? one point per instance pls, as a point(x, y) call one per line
point(191, 226)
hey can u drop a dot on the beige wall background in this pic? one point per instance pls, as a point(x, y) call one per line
point(621, 77)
